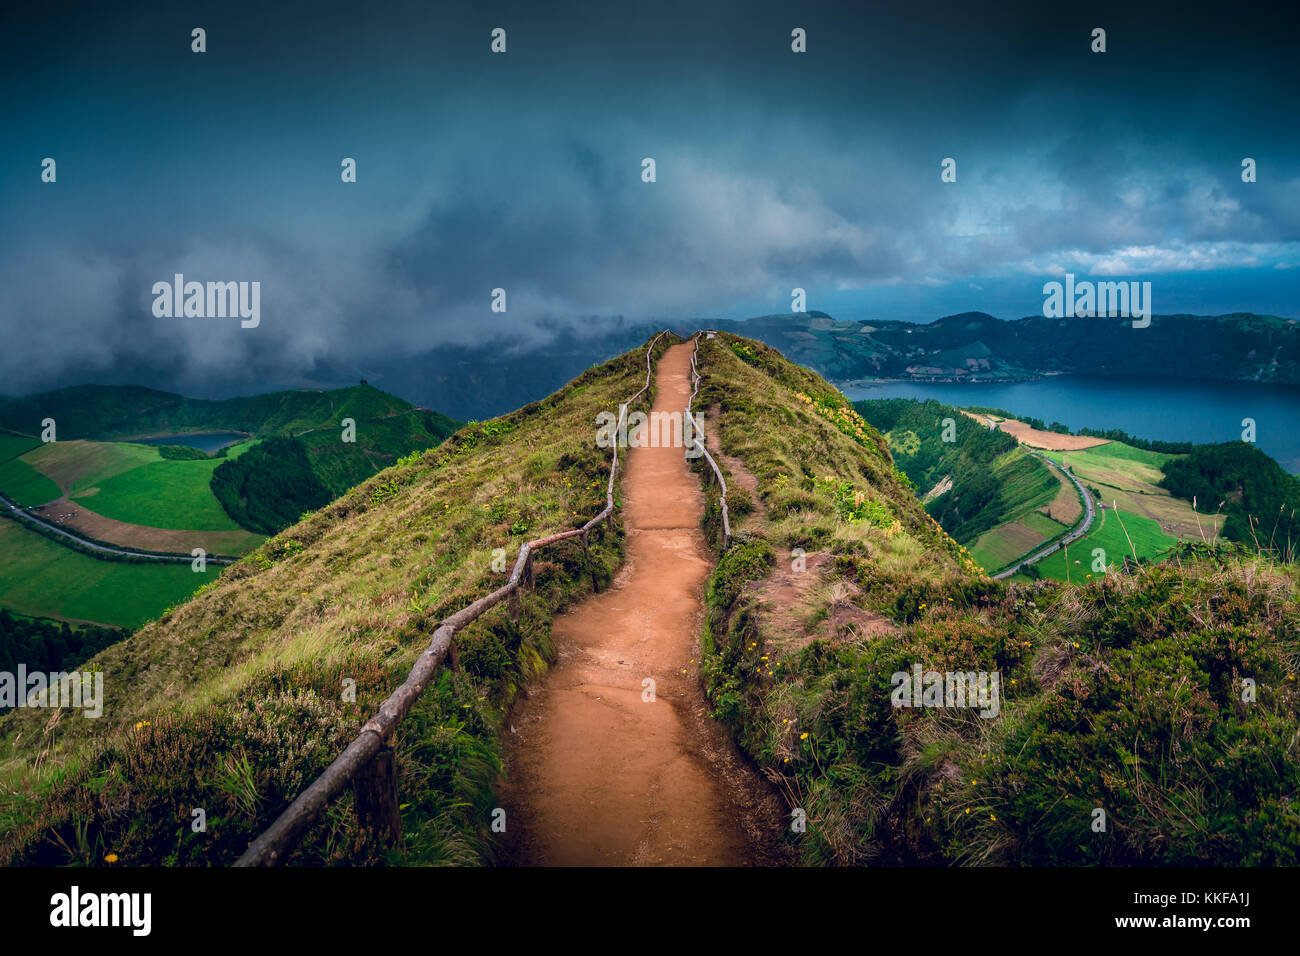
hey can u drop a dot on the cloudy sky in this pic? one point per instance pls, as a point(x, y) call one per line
point(523, 171)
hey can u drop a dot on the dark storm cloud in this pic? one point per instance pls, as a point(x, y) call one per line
point(523, 171)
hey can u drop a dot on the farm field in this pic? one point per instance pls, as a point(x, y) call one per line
point(115, 593)
point(1128, 477)
point(1149, 541)
point(161, 494)
point(74, 516)
point(19, 480)
point(78, 466)
point(1066, 508)
point(1026, 434)
point(999, 546)
point(1044, 513)
point(125, 493)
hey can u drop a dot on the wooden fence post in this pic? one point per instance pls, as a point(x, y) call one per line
point(586, 558)
point(374, 791)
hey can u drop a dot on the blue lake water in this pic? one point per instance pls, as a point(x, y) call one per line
point(1165, 409)
point(209, 442)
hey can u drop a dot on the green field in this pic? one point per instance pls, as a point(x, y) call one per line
point(998, 547)
point(19, 480)
point(163, 494)
point(1115, 460)
point(119, 480)
point(45, 579)
point(1044, 525)
point(25, 485)
point(11, 446)
point(1118, 451)
point(1106, 533)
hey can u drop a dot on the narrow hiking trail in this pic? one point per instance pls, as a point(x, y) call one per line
point(596, 774)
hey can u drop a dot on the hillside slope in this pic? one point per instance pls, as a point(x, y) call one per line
point(234, 700)
point(1150, 716)
point(979, 479)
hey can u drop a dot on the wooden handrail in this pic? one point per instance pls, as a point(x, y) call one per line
point(273, 846)
point(696, 431)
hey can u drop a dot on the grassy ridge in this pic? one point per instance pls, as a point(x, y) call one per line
point(1124, 695)
point(234, 700)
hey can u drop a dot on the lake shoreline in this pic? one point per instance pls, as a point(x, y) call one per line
point(1201, 412)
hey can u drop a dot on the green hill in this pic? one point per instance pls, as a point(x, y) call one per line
point(993, 481)
point(1259, 498)
point(263, 491)
point(1123, 694)
point(124, 412)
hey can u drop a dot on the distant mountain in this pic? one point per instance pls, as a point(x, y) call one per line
point(125, 412)
point(500, 375)
point(495, 377)
point(975, 346)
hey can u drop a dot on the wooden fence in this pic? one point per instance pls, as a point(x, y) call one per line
point(367, 762)
point(696, 432)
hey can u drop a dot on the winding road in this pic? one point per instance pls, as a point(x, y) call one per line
point(23, 515)
point(1079, 530)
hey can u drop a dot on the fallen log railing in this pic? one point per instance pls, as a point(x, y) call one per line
point(696, 432)
point(375, 780)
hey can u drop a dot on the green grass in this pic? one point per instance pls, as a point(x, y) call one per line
point(42, 578)
point(163, 494)
point(999, 547)
point(1108, 534)
point(77, 466)
point(1048, 527)
point(1030, 484)
point(11, 446)
point(1135, 463)
point(25, 485)
point(19, 480)
point(237, 449)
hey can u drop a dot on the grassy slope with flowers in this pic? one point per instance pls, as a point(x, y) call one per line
point(233, 701)
point(1124, 694)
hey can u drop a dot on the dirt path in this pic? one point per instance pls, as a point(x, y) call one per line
point(596, 774)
